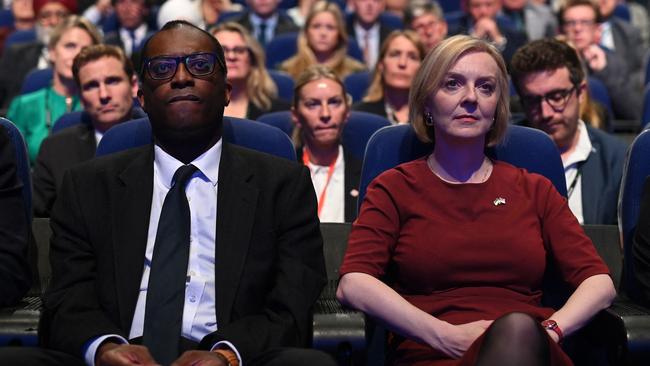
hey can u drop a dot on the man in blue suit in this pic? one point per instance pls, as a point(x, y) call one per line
point(551, 85)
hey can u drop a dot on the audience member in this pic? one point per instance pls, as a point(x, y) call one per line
point(397, 7)
point(299, 13)
point(188, 10)
point(34, 113)
point(107, 85)
point(253, 91)
point(133, 29)
point(212, 9)
point(321, 108)
point(482, 21)
point(19, 59)
point(624, 39)
point(579, 21)
point(551, 84)
point(15, 230)
point(22, 13)
point(399, 61)
point(536, 20)
point(264, 20)
point(464, 270)
point(123, 233)
point(323, 41)
point(428, 21)
point(365, 28)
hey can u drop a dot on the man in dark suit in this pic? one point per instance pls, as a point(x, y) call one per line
point(133, 29)
point(264, 20)
point(107, 85)
point(551, 84)
point(364, 27)
point(187, 244)
point(482, 21)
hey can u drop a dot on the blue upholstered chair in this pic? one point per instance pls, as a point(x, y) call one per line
point(238, 131)
point(36, 79)
point(645, 115)
point(20, 36)
point(598, 92)
point(280, 48)
point(357, 84)
point(284, 82)
point(22, 162)
point(6, 18)
point(524, 147)
point(74, 118)
point(356, 133)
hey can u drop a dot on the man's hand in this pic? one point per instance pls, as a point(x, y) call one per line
point(595, 57)
point(200, 358)
point(486, 28)
point(113, 354)
point(455, 342)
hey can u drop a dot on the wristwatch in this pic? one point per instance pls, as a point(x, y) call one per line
point(551, 324)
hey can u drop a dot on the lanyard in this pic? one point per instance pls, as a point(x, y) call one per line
point(575, 180)
point(330, 172)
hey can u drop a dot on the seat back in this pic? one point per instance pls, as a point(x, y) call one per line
point(36, 79)
point(645, 115)
point(598, 92)
point(523, 147)
point(356, 84)
point(356, 133)
point(20, 36)
point(22, 163)
point(238, 131)
point(280, 48)
point(284, 82)
point(68, 120)
point(635, 172)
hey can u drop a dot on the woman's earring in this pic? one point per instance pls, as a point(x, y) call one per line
point(428, 119)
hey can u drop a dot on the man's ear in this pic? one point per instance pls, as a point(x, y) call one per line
point(227, 92)
point(582, 92)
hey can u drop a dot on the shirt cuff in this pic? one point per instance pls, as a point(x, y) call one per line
point(229, 346)
point(93, 345)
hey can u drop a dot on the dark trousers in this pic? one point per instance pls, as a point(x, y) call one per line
point(27, 356)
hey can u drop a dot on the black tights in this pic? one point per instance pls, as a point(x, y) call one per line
point(514, 339)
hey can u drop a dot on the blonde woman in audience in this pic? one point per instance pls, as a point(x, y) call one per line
point(320, 110)
point(400, 57)
point(34, 113)
point(253, 91)
point(323, 40)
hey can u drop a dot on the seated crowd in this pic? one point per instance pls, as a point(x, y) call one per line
point(186, 64)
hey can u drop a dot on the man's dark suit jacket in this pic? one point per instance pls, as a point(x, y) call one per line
point(285, 23)
point(384, 31)
point(515, 38)
point(268, 252)
point(16, 62)
point(15, 231)
point(352, 177)
point(58, 153)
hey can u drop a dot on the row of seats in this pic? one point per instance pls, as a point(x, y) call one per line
point(343, 332)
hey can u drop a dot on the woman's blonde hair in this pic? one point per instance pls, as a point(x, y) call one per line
point(305, 57)
point(260, 87)
point(376, 89)
point(312, 73)
point(432, 72)
point(74, 21)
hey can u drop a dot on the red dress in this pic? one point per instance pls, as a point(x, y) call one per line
point(466, 252)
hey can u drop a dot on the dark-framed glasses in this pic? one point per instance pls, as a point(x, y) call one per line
point(164, 67)
point(557, 99)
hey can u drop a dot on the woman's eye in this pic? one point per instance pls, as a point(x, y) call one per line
point(452, 84)
point(486, 88)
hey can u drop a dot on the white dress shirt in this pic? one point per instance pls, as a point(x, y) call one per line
point(373, 42)
point(571, 163)
point(333, 209)
point(270, 22)
point(199, 310)
point(139, 33)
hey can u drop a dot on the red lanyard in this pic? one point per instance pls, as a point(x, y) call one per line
point(330, 173)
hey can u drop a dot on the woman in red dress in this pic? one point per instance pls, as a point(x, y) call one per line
point(449, 251)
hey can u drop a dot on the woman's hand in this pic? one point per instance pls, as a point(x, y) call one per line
point(457, 339)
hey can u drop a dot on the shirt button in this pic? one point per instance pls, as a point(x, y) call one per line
point(189, 199)
point(192, 298)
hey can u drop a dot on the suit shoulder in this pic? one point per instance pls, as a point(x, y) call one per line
point(263, 162)
point(111, 164)
point(606, 141)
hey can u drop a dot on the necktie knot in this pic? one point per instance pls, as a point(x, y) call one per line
point(183, 175)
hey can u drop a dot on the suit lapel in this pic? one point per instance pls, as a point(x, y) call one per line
point(131, 210)
point(236, 205)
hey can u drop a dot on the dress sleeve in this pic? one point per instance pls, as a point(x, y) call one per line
point(569, 247)
point(375, 232)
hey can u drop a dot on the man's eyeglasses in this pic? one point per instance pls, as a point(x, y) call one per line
point(557, 99)
point(581, 22)
point(237, 50)
point(198, 64)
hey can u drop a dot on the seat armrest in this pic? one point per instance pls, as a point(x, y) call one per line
point(19, 324)
point(626, 327)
